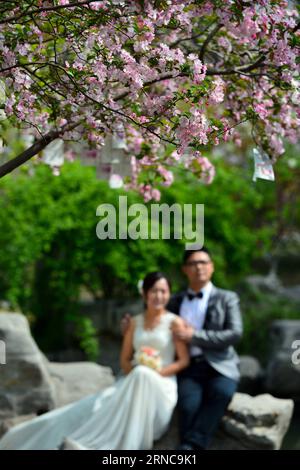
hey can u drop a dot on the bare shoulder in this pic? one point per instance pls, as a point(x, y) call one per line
point(133, 321)
point(136, 321)
point(131, 324)
point(177, 321)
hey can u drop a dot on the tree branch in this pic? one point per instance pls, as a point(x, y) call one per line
point(257, 63)
point(209, 72)
point(39, 145)
point(43, 9)
point(208, 39)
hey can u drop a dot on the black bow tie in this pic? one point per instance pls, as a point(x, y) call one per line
point(193, 296)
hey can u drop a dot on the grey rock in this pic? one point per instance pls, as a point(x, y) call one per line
point(292, 292)
point(270, 282)
point(254, 423)
point(258, 422)
point(282, 372)
point(5, 305)
point(73, 381)
point(30, 383)
point(25, 384)
point(251, 375)
point(283, 333)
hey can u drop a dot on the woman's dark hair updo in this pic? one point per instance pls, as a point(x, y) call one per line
point(151, 278)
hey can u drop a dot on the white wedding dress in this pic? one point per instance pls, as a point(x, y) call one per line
point(129, 415)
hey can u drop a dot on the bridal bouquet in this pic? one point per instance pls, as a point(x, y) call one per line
point(149, 357)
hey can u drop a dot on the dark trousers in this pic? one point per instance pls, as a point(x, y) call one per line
point(203, 396)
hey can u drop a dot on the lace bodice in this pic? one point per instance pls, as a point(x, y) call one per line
point(159, 338)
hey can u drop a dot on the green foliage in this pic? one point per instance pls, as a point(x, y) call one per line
point(87, 335)
point(49, 250)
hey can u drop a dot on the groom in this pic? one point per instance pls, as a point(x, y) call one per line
point(212, 326)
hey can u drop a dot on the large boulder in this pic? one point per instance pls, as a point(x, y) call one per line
point(251, 375)
point(256, 422)
point(30, 384)
point(73, 381)
point(250, 423)
point(25, 383)
point(282, 373)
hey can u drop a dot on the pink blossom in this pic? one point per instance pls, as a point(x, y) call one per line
point(69, 155)
point(23, 49)
point(97, 5)
point(217, 94)
point(175, 155)
point(137, 67)
point(62, 122)
point(166, 174)
point(283, 54)
point(199, 69)
point(8, 56)
point(207, 168)
point(261, 110)
point(276, 144)
point(194, 128)
point(9, 104)
point(146, 191)
point(225, 43)
point(156, 195)
point(100, 71)
point(249, 27)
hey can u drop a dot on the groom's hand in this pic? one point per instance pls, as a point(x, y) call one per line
point(125, 322)
point(184, 332)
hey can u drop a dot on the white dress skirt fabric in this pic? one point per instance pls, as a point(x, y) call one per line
point(129, 415)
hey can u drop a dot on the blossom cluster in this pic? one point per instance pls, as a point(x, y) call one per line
point(183, 75)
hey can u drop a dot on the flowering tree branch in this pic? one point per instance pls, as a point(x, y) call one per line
point(184, 75)
point(208, 39)
point(38, 11)
point(37, 147)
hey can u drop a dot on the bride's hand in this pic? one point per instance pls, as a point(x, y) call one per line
point(125, 323)
point(162, 372)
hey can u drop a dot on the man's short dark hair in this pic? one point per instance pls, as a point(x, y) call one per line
point(189, 253)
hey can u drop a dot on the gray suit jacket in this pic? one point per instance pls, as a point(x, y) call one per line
point(222, 329)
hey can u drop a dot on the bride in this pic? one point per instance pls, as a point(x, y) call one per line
point(137, 409)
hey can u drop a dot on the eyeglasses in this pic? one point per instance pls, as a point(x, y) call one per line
point(193, 264)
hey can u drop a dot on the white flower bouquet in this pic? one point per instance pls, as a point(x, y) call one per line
point(149, 357)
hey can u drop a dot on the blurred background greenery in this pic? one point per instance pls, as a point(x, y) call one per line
point(49, 252)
